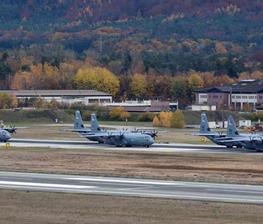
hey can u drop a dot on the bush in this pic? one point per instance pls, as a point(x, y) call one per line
point(169, 120)
point(7, 101)
point(146, 116)
point(119, 113)
point(156, 121)
point(177, 119)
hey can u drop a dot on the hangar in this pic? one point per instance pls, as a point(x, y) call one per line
point(85, 97)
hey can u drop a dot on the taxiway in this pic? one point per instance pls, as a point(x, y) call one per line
point(132, 187)
point(168, 148)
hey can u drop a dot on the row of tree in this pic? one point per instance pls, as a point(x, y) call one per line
point(23, 72)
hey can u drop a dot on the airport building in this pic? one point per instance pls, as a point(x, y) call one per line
point(142, 106)
point(85, 97)
point(244, 95)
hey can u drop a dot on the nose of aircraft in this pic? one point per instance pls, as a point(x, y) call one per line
point(151, 141)
point(8, 135)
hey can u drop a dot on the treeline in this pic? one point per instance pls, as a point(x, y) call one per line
point(26, 73)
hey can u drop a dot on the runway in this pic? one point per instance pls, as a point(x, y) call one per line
point(65, 144)
point(132, 187)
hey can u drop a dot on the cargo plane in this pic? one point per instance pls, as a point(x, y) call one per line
point(118, 138)
point(232, 138)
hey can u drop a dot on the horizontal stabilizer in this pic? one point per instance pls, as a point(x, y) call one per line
point(206, 134)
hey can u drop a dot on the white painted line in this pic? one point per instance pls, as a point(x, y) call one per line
point(7, 183)
point(124, 181)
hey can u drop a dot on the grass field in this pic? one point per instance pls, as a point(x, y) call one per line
point(221, 167)
point(36, 207)
point(40, 207)
point(53, 131)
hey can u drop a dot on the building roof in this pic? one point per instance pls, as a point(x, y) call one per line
point(244, 86)
point(36, 93)
point(154, 106)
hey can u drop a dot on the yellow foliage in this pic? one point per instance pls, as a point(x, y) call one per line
point(40, 77)
point(156, 121)
point(97, 78)
point(39, 103)
point(195, 80)
point(169, 120)
point(116, 113)
point(177, 119)
point(7, 101)
point(125, 115)
point(165, 119)
point(138, 85)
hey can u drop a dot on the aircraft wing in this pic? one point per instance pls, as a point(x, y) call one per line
point(104, 134)
point(206, 134)
point(10, 130)
point(238, 139)
point(79, 130)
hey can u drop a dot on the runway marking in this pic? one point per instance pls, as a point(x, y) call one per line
point(123, 181)
point(6, 183)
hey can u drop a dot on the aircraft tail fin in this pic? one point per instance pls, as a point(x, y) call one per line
point(94, 123)
point(204, 128)
point(78, 123)
point(231, 127)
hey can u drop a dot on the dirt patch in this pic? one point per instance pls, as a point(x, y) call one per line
point(224, 168)
point(36, 207)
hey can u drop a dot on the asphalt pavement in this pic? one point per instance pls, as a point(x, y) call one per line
point(132, 187)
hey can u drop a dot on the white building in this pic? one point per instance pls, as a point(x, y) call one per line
point(85, 97)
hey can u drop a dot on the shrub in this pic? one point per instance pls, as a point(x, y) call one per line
point(177, 119)
point(119, 113)
point(146, 116)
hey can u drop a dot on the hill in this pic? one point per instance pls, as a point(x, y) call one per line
point(154, 37)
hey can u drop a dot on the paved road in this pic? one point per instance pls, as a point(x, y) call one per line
point(65, 144)
point(132, 187)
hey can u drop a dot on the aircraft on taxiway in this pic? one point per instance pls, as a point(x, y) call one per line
point(116, 137)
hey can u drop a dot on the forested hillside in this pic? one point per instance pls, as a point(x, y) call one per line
point(163, 42)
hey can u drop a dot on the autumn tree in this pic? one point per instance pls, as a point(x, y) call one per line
point(138, 86)
point(39, 77)
point(158, 87)
point(195, 80)
point(165, 119)
point(96, 78)
point(119, 113)
point(39, 103)
point(7, 101)
point(182, 91)
point(156, 121)
point(177, 119)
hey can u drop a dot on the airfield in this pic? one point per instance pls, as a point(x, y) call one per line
point(85, 144)
point(190, 175)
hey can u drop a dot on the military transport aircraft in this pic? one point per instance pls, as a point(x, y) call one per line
point(247, 141)
point(117, 138)
point(232, 138)
point(4, 135)
point(206, 131)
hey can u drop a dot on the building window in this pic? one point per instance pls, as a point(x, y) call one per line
point(93, 100)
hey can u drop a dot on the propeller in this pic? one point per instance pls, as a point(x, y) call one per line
point(220, 133)
point(11, 129)
point(154, 134)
